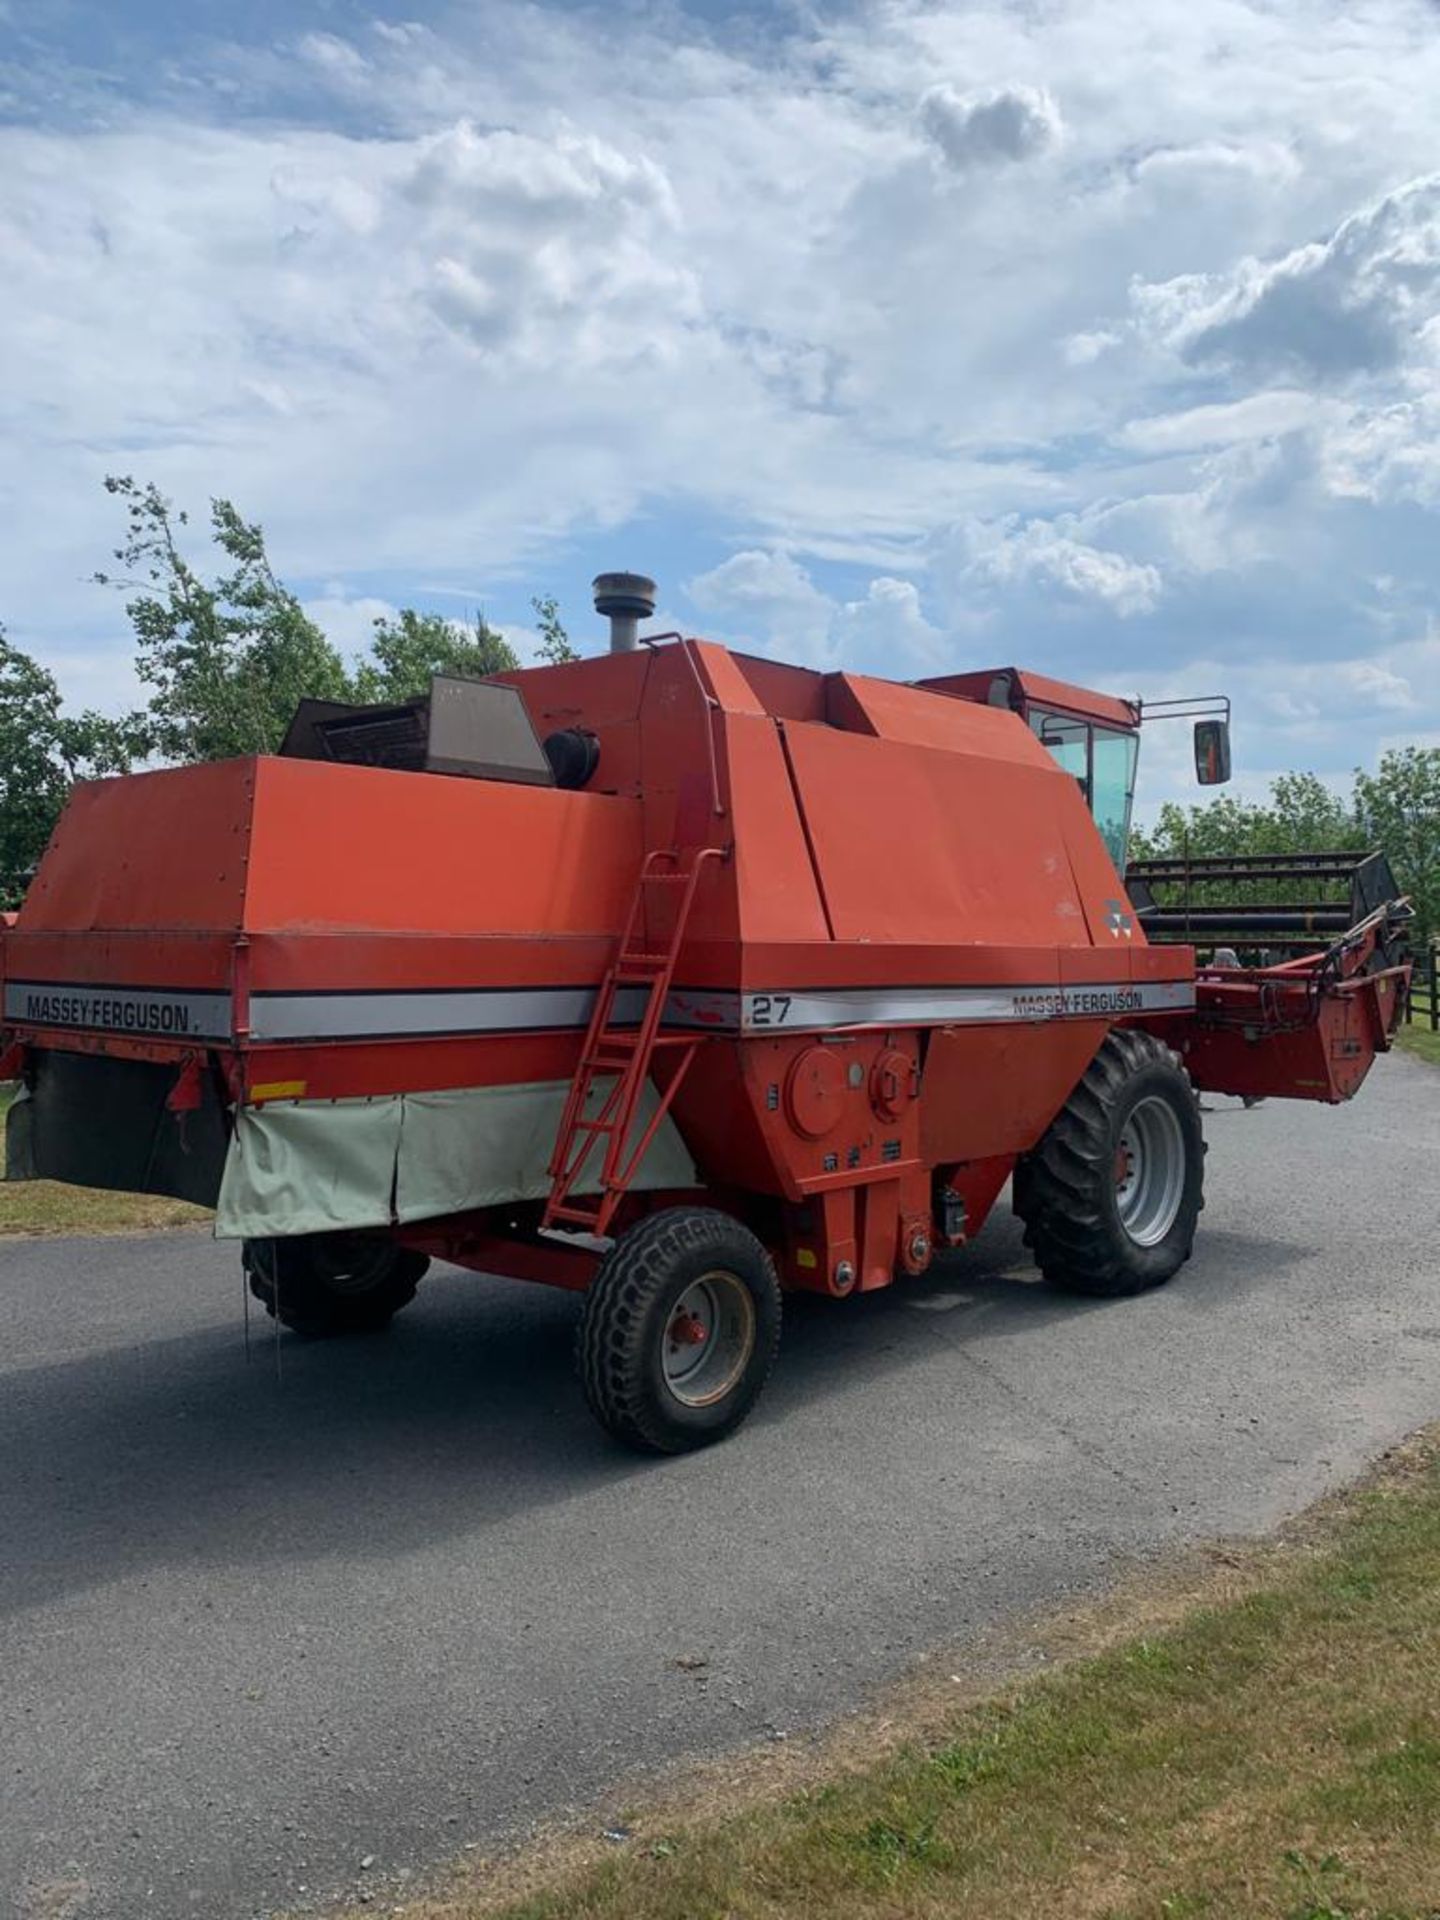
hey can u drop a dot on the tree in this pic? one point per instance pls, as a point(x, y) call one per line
point(1306, 814)
point(1398, 807)
point(42, 752)
point(32, 778)
point(228, 660)
point(555, 647)
point(407, 650)
point(1303, 815)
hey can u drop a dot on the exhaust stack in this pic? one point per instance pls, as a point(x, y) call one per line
point(625, 599)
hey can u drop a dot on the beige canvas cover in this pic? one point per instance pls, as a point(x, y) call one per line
point(310, 1166)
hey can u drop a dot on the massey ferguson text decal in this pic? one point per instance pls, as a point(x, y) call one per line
point(147, 1012)
point(1055, 1002)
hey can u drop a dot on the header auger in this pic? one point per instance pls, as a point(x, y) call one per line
point(673, 977)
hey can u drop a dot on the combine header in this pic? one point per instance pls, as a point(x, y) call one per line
point(674, 977)
point(1269, 904)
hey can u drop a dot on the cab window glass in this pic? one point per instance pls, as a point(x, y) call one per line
point(1103, 762)
point(1113, 788)
point(1069, 741)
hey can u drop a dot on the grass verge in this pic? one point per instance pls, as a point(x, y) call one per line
point(48, 1206)
point(1272, 1754)
point(1418, 1037)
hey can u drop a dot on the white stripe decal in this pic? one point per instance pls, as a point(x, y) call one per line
point(284, 1017)
point(334, 1016)
point(337, 1016)
point(943, 1006)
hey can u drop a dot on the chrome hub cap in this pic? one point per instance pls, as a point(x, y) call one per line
point(709, 1339)
point(1150, 1170)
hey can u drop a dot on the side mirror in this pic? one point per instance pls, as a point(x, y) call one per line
point(1212, 752)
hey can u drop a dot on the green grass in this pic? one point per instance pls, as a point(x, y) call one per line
point(1419, 1041)
point(1274, 1756)
point(47, 1206)
point(1418, 1037)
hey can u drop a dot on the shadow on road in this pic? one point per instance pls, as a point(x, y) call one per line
point(170, 1451)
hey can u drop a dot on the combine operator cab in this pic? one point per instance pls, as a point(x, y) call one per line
point(1091, 735)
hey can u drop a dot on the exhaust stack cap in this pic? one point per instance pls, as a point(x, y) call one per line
point(625, 599)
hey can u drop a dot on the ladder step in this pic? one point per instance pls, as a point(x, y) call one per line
point(619, 1050)
point(577, 1216)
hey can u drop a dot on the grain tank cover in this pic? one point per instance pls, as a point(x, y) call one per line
point(478, 729)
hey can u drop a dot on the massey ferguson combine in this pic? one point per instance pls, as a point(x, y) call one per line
point(671, 976)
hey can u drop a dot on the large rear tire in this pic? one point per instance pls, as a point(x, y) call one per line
point(679, 1330)
point(1111, 1196)
point(322, 1284)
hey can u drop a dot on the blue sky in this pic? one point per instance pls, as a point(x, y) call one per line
point(899, 335)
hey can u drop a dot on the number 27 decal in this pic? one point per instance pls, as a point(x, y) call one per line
point(769, 1009)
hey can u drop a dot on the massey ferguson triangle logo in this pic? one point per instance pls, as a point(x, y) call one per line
point(1118, 919)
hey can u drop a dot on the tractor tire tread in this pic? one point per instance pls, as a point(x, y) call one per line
point(610, 1340)
point(307, 1307)
point(1057, 1192)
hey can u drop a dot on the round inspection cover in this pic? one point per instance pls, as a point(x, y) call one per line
point(815, 1092)
point(892, 1083)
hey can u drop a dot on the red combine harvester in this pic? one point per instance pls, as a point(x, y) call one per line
point(672, 976)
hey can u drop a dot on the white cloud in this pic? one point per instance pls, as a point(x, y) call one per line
point(400, 33)
point(768, 600)
point(1260, 416)
point(888, 626)
point(1388, 454)
point(448, 317)
point(765, 599)
point(1083, 348)
point(524, 247)
point(347, 621)
point(335, 58)
point(1045, 556)
point(1209, 161)
point(1357, 303)
point(989, 129)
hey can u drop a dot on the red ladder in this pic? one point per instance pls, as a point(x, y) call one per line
point(622, 1055)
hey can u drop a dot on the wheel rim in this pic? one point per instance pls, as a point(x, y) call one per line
point(1149, 1170)
point(709, 1339)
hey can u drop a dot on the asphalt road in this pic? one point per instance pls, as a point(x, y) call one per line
point(253, 1633)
